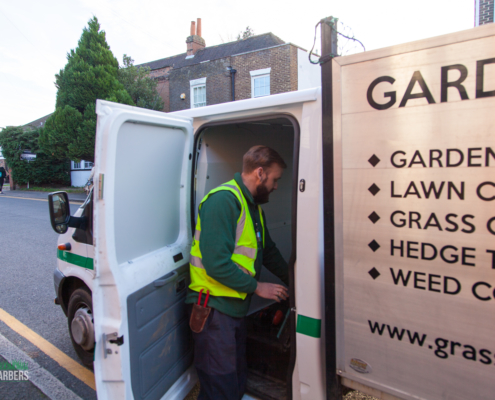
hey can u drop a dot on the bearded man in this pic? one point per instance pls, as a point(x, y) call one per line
point(231, 243)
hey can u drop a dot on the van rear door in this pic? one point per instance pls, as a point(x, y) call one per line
point(142, 241)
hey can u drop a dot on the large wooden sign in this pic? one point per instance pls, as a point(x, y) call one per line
point(417, 196)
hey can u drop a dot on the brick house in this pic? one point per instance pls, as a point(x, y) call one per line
point(257, 66)
point(483, 12)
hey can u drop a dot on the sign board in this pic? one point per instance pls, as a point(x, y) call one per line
point(417, 165)
point(28, 156)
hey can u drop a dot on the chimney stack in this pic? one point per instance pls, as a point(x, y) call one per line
point(195, 42)
point(198, 32)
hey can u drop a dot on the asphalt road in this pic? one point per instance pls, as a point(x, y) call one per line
point(27, 260)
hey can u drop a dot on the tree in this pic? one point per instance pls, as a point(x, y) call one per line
point(246, 34)
point(44, 169)
point(91, 73)
point(139, 85)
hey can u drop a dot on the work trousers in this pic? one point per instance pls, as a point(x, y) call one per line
point(220, 357)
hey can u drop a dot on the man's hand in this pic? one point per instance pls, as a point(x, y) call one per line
point(271, 291)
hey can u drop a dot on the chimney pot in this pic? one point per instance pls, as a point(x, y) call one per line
point(195, 42)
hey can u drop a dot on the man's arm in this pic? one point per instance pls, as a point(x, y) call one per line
point(219, 215)
point(272, 259)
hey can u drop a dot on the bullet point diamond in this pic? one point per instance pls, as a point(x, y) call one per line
point(374, 217)
point(374, 189)
point(374, 273)
point(374, 160)
point(374, 245)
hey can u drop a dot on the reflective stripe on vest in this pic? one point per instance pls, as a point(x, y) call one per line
point(245, 251)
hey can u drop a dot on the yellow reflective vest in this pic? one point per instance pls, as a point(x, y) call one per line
point(245, 252)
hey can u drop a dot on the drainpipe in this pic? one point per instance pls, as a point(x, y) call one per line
point(232, 78)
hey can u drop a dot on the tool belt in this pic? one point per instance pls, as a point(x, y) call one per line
point(199, 314)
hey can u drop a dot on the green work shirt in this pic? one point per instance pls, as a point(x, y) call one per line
point(219, 215)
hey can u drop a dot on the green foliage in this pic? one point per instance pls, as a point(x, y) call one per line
point(248, 32)
point(139, 85)
point(91, 73)
point(44, 169)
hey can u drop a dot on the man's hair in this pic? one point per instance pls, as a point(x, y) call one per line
point(261, 156)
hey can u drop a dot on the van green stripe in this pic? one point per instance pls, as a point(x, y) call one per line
point(308, 326)
point(75, 259)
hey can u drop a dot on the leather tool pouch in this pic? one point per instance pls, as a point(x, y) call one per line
point(199, 315)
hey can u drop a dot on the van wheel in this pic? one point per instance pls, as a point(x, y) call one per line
point(81, 326)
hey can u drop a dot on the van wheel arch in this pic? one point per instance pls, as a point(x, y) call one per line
point(67, 287)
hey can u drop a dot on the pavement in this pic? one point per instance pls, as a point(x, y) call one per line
point(73, 197)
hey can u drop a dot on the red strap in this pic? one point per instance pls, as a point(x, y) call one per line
point(207, 295)
point(199, 297)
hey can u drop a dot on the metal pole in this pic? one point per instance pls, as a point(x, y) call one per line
point(328, 51)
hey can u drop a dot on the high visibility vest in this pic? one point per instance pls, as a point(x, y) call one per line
point(245, 252)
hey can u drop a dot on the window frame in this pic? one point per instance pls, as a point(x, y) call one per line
point(81, 165)
point(197, 84)
point(260, 73)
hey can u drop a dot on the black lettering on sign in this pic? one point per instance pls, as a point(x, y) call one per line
point(492, 252)
point(489, 152)
point(449, 155)
point(402, 161)
point(417, 159)
point(423, 281)
point(436, 155)
point(425, 92)
point(471, 156)
point(432, 188)
point(481, 290)
point(444, 86)
point(448, 158)
point(391, 95)
point(480, 78)
point(455, 84)
point(428, 190)
point(429, 252)
point(485, 187)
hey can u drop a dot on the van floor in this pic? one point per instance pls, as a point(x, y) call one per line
point(265, 387)
point(268, 352)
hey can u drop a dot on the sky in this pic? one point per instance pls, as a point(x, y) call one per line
point(35, 36)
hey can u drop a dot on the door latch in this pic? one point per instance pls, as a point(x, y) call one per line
point(302, 185)
point(111, 338)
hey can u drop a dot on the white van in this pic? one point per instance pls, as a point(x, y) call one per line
point(123, 275)
point(378, 302)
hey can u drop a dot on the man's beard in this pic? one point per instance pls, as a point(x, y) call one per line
point(262, 194)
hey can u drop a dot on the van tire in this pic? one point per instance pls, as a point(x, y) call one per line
point(80, 298)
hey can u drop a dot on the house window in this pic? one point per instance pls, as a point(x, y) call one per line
point(82, 165)
point(198, 92)
point(260, 82)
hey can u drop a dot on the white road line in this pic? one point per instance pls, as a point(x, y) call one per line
point(38, 376)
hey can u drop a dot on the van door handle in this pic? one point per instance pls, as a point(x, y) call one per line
point(168, 278)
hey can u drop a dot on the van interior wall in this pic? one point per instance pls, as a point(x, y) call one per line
point(220, 157)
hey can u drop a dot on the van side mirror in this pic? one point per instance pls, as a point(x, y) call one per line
point(58, 203)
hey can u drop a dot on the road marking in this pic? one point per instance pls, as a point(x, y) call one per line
point(29, 198)
point(23, 198)
point(76, 369)
point(37, 375)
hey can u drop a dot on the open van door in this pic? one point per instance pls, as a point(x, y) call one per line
point(142, 236)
